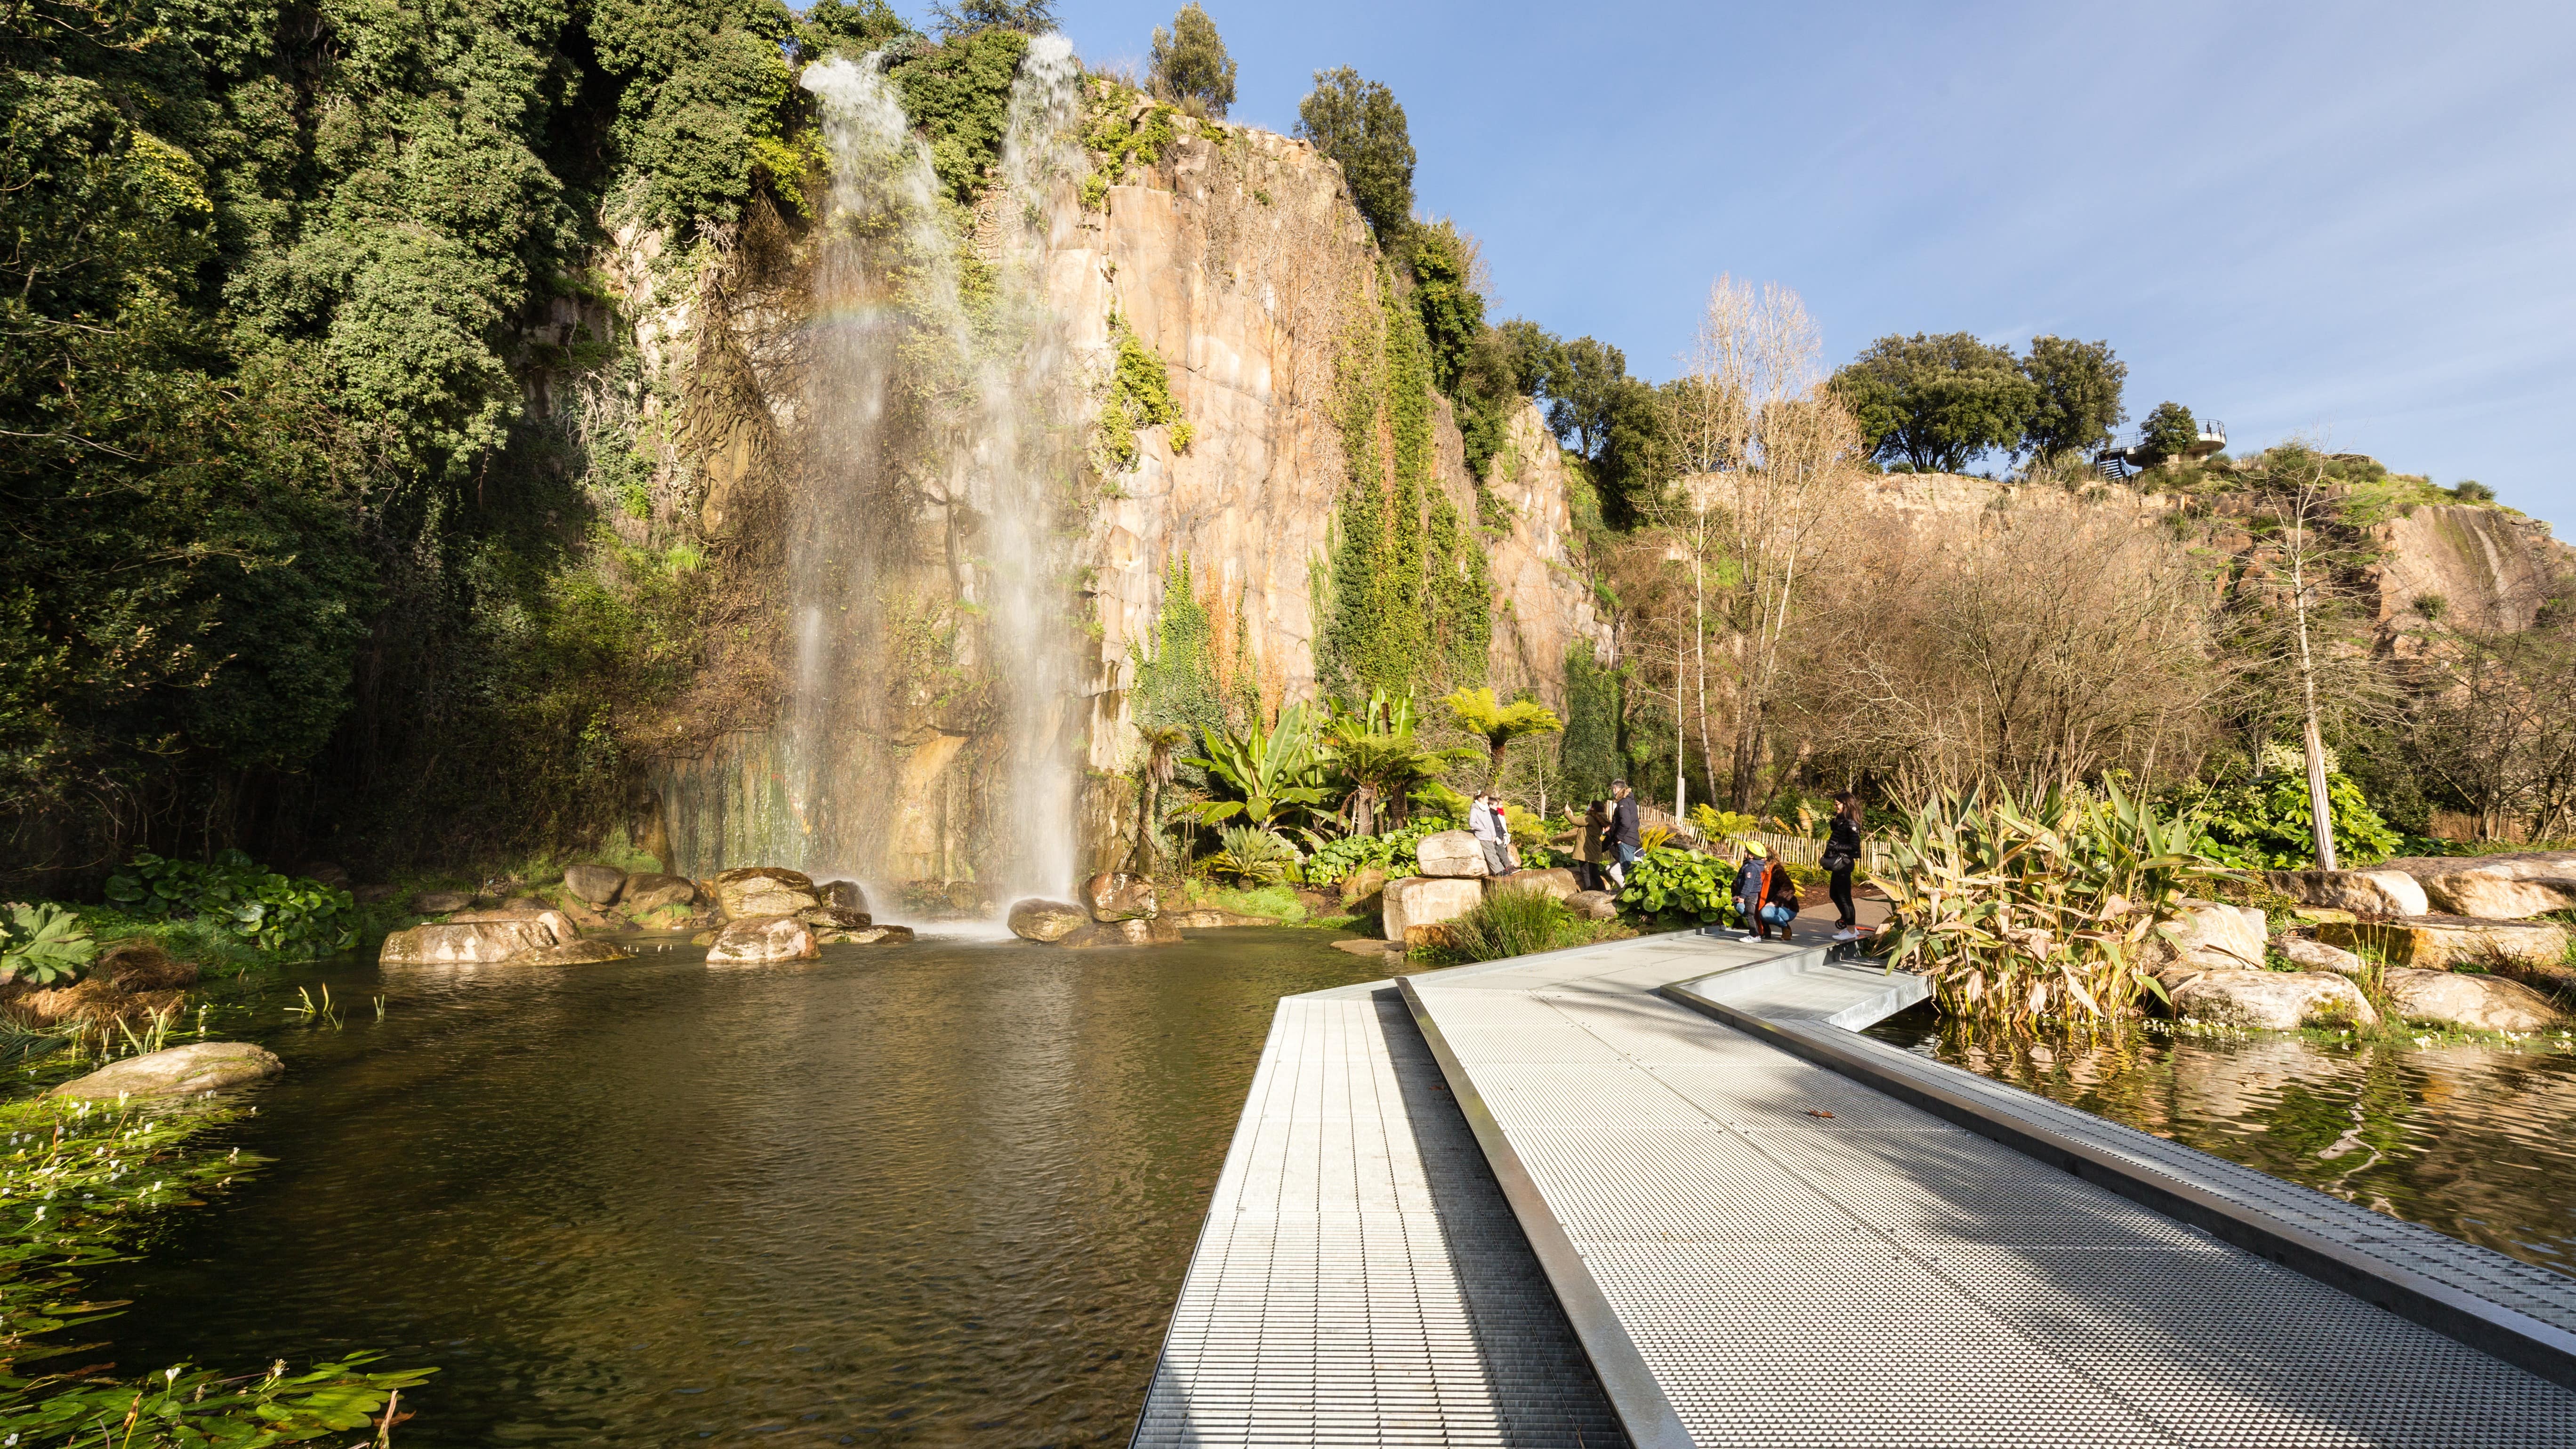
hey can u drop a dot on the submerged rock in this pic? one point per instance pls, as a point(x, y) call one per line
point(1556, 882)
point(205, 1066)
point(1450, 853)
point(2475, 1001)
point(571, 953)
point(1135, 931)
point(1114, 895)
point(467, 943)
point(2273, 1000)
point(1038, 919)
point(1210, 919)
point(1365, 946)
point(1425, 900)
point(763, 939)
point(763, 890)
point(597, 885)
point(866, 936)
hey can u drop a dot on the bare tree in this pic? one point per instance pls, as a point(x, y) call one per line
point(1763, 444)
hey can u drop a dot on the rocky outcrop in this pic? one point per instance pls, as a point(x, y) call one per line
point(1117, 896)
point(1427, 900)
point(2500, 897)
point(2436, 942)
point(2273, 1000)
point(1452, 853)
point(1044, 920)
point(2363, 892)
point(182, 1071)
point(760, 940)
point(2472, 1001)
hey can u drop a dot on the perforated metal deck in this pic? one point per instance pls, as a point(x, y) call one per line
point(1360, 1279)
point(1756, 1249)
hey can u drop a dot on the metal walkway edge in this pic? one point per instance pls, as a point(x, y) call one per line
point(1765, 1230)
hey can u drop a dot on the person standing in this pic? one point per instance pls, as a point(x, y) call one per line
point(1625, 846)
point(1485, 822)
point(1588, 839)
point(1842, 853)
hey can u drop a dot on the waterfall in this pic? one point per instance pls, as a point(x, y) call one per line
point(930, 727)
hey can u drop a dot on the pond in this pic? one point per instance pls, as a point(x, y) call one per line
point(941, 1193)
point(2476, 1140)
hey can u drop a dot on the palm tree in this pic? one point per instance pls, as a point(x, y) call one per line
point(1500, 724)
point(1371, 751)
point(1160, 742)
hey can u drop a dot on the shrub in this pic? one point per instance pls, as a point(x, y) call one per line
point(1337, 860)
point(289, 915)
point(1513, 923)
point(44, 944)
point(1666, 880)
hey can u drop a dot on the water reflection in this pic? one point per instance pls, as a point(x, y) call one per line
point(941, 1193)
point(2476, 1141)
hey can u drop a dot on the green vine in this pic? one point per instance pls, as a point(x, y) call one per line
point(1123, 140)
point(1140, 396)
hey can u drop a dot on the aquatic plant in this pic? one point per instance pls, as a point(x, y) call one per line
point(2020, 912)
point(78, 1180)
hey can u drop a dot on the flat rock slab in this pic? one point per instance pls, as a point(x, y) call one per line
point(572, 953)
point(2216, 936)
point(1209, 920)
point(2491, 895)
point(2432, 943)
point(183, 1071)
point(2378, 892)
point(866, 936)
point(2472, 1000)
point(470, 943)
point(2318, 956)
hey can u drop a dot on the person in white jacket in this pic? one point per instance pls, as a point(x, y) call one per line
point(1485, 821)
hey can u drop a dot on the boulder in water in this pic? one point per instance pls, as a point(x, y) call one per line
point(466, 943)
point(866, 936)
point(833, 918)
point(1360, 889)
point(1134, 931)
point(1451, 853)
point(2273, 1000)
point(180, 1071)
point(1114, 895)
point(2467, 999)
point(1428, 900)
point(597, 885)
point(1211, 919)
point(645, 894)
point(557, 924)
point(763, 890)
point(761, 939)
point(842, 893)
point(1038, 919)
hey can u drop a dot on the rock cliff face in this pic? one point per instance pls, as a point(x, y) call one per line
point(1237, 261)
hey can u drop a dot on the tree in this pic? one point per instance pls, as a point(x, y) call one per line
point(1936, 402)
point(2168, 432)
point(1444, 293)
point(1531, 352)
point(1477, 712)
point(1372, 754)
point(2078, 396)
point(1358, 124)
point(1029, 17)
point(1583, 378)
point(1190, 63)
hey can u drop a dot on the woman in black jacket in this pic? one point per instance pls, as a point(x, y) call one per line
point(1842, 852)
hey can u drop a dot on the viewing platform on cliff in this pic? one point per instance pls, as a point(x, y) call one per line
point(1660, 1190)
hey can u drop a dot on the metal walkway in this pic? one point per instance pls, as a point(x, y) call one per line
point(1764, 1230)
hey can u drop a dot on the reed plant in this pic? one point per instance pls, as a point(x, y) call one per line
point(2040, 910)
point(1518, 923)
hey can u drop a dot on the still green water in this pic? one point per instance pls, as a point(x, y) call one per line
point(2476, 1141)
point(935, 1194)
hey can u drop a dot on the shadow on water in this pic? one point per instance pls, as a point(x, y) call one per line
point(942, 1193)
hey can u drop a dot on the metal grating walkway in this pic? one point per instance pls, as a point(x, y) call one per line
point(1743, 1268)
point(1361, 1279)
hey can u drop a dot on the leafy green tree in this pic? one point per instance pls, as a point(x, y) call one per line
point(967, 17)
point(853, 27)
point(1190, 63)
point(1498, 724)
point(2078, 396)
point(1274, 777)
point(1936, 402)
point(1453, 315)
point(1589, 753)
point(2168, 432)
point(1530, 352)
point(1583, 379)
point(1358, 124)
point(1372, 755)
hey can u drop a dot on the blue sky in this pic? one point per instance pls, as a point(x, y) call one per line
point(2351, 221)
